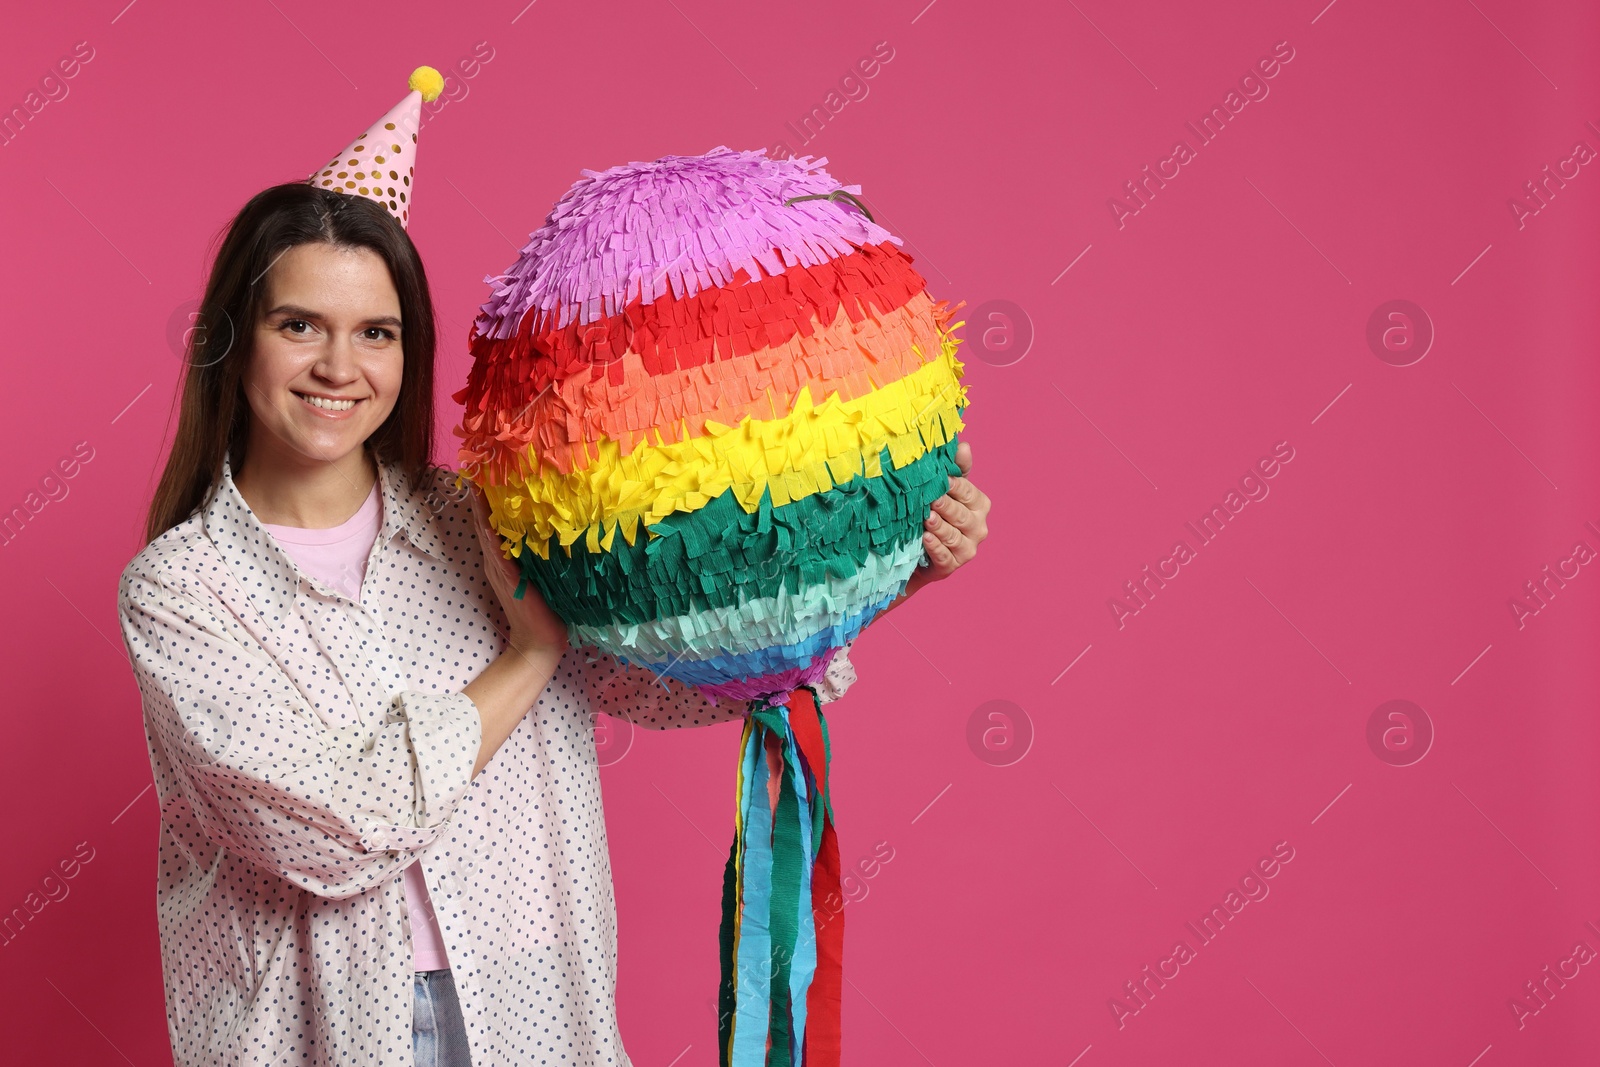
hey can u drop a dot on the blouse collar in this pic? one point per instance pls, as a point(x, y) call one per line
point(269, 575)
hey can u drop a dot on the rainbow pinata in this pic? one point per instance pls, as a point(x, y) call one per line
point(710, 406)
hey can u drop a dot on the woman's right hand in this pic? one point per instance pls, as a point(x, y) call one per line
point(534, 627)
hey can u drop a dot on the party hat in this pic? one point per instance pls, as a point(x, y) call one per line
point(379, 164)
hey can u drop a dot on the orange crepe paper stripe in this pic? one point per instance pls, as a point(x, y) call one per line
point(733, 319)
point(564, 425)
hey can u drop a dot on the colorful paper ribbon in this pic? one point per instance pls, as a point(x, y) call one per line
point(781, 939)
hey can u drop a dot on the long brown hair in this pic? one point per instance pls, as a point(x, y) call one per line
point(214, 414)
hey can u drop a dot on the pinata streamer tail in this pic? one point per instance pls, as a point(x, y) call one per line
point(782, 930)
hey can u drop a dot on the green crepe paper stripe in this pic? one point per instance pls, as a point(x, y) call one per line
point(732, 897)
point(783, 919)
point(764, 622)
point(720, 555)
point(727, 995)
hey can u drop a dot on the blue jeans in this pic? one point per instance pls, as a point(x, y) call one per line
point(438, 1032)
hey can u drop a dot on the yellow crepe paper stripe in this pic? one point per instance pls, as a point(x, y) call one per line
point(847, 356)
point(808, 451)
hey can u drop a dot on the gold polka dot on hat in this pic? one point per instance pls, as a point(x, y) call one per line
point(380, 164)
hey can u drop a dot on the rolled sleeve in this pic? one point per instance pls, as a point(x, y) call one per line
point(633, 693)
point(333, 810)
point(444, 732)
point(841, 675)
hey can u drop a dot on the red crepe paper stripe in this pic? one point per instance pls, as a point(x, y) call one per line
point(824, 996)
point(562, 426)
point(672, 334)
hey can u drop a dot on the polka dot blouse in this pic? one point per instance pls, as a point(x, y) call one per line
point(307, 746)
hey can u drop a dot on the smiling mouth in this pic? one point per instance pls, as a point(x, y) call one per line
point(324, 404)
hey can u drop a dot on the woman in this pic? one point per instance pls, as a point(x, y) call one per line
point(381, 832)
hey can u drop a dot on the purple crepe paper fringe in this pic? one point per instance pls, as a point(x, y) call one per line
point(767, 684)
point(680, 224)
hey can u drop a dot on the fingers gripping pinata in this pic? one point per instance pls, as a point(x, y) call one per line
point(710, 406)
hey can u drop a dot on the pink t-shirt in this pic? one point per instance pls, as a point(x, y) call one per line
point(338, 557)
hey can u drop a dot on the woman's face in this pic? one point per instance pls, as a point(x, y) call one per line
point(330, 330)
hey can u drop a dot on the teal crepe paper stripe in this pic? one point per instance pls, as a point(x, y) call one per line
point(786, 876)
point(759, 622)
point(804, 966)
point(755, 934)
point(819, 799)
point(765, 661)
point(720, 556)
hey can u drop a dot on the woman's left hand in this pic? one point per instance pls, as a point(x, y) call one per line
point(958, 521)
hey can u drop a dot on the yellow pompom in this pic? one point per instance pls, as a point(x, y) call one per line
point(428, 82)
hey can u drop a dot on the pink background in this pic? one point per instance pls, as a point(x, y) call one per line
point(1229, 314)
